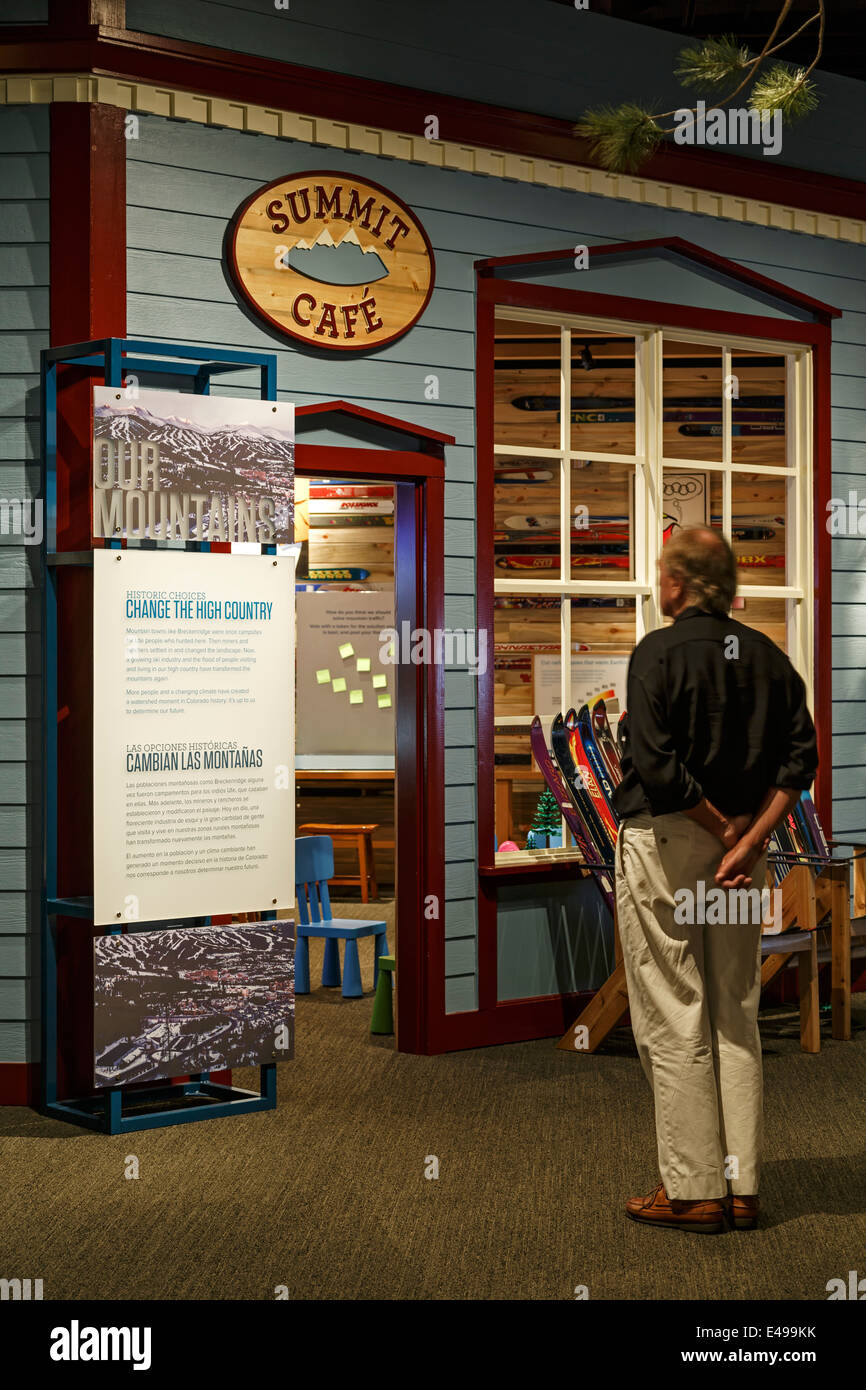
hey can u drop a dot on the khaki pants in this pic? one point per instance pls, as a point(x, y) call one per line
point(693, 994)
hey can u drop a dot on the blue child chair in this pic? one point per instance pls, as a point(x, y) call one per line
point(314, 865)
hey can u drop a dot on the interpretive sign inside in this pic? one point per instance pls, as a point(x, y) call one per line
point(686, 498)
point(193, 717)
point(191, 999)
point(172, 466)
point(332, 260)
point(590, 676)
point(346, 692)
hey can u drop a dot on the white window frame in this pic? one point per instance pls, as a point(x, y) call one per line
point(649, 462)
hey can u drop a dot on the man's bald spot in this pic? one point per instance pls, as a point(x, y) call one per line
point(709, 537)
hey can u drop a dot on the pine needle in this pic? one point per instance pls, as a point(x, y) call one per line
point(783, 87)
point(623, 137)
point(713, 64)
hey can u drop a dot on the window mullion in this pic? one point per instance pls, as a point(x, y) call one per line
point(727, 441)
point(565, 526)
point(651, 615)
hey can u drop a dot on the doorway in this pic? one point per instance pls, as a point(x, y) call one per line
point(392, 565)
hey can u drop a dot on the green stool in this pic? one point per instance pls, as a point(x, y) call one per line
point(383, 1004)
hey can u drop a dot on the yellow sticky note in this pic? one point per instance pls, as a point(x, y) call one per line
point(347, 650)
point(380, 682)
point(356, 697)
point(363, 663)
point(384, 701)
point(339, 685)
point(323, 677)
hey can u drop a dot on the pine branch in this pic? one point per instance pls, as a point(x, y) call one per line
point(714, 63)
point(623, 137)
point(784, 88)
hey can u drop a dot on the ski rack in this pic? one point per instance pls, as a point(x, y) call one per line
point(166, 1104)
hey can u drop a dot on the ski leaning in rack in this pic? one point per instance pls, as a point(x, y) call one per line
point(585, 766)
point(564, 801)
point(604, 739)
point(813, 833)
point(599, 769)
point(596, 832)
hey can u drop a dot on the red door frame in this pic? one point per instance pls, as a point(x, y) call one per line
point(543, 1017)
point(419, 820)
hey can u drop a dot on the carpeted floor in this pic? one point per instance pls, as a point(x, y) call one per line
point(537, 1152)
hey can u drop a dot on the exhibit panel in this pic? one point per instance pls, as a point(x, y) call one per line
point(189, 699)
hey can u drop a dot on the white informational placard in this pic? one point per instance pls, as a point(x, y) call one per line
point(590, 676)
point(346, 692)
point(193, 718)
point(685, 499)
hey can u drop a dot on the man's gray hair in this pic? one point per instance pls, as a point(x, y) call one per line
point(703, 561)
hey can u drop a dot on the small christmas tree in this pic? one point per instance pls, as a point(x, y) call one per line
point(547, 823)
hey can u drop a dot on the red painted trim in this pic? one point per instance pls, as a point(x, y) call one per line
point(19, 1083)
point(511, 1022)
point(687, 251)
point(81, 17)
point(242, 77)
point(419, 786)
point(361, 412)
point(484, 394)
point(352, 462)
point(281, 328)
point(432, 930)
point(614, 306)
point(516, 1020)
point(88, 300)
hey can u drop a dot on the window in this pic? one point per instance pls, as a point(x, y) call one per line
point(607, 436)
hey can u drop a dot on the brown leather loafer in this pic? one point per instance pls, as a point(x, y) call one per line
point(744, 1212)
point(657, 1209)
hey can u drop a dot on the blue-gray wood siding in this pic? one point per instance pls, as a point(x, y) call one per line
point(24, 12)
point(24, 144)
point(551, 58)
point(185, 181)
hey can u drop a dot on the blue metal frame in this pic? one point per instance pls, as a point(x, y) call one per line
point(115, 357)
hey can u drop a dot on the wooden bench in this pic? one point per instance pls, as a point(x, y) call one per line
point(361, 836)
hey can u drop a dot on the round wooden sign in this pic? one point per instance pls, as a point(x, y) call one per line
point(332, 260)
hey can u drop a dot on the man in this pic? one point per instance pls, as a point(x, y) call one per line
point(718, 746)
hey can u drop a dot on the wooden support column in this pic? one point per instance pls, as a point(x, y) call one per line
point(810, 1018)
point(88, 300)
point(840, 952)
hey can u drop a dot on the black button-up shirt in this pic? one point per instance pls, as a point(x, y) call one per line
point(710, 716)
